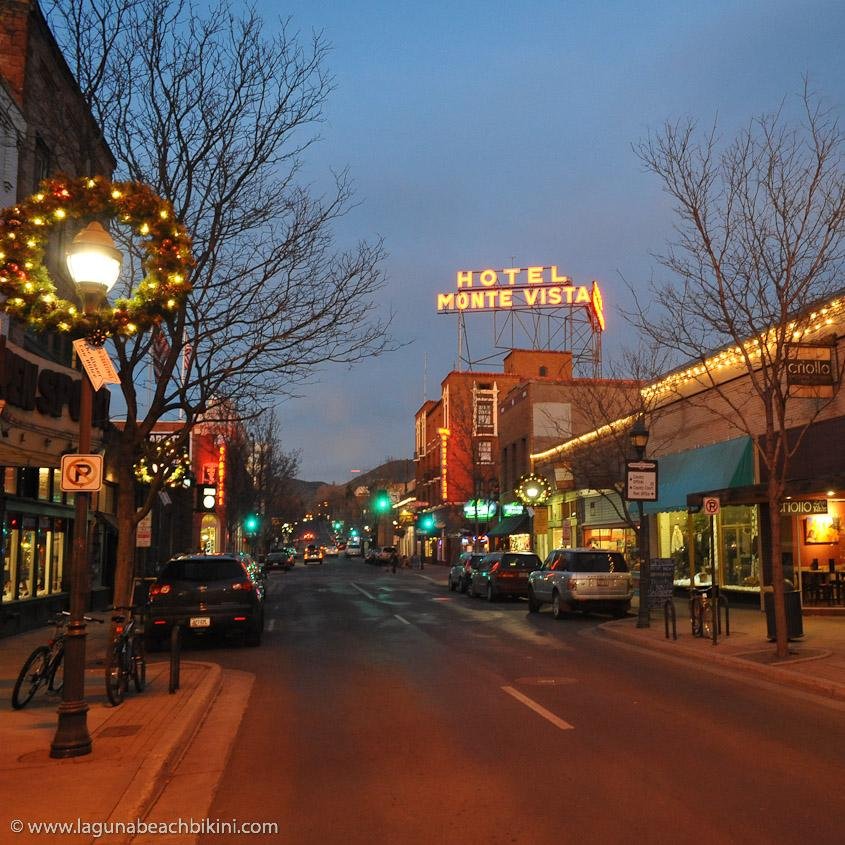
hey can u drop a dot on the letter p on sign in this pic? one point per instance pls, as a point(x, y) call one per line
point(711, 505)
point(82, 473)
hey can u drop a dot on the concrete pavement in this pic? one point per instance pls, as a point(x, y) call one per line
point(136, 747)
point(816, 662)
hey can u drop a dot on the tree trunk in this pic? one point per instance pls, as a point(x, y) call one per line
point(781, 634)
point(126, 522)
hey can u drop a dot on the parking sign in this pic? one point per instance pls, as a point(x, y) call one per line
point(711, 505)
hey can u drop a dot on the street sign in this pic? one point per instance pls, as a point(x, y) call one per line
point(641, 481)
point(711, 505)
point(82, 473)
point(144, 532)
point(96, 362)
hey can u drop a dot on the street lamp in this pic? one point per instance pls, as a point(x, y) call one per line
point(94, 265)
point(639, 440)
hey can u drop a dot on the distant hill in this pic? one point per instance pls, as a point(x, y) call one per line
point(398, 471)
point(305, 490)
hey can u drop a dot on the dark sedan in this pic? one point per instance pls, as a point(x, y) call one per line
point(206, 594)
point(503, 574)
point(461, 572)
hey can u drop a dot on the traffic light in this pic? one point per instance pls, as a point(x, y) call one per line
point(251, 522)
point(381, 502)
point(206, 498)
point(425, 523)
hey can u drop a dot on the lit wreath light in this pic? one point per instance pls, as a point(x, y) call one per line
point(24, 280)
point(176, 469)
point(532, 490)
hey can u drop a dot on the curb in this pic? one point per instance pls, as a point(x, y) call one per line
point(151, 775)
point(818, 686)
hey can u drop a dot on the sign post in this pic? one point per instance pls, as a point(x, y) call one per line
point(641, 486)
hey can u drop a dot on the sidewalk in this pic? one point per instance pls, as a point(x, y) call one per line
point(816, 662)
point(135, 746)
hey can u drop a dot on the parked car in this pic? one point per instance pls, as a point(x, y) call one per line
point(583, 579)
point(386, 553)
point(503, 574)
point(461, 572)
point(312, 554)
point(206, 594)
point(280, 559)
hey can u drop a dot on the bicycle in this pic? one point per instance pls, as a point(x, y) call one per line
point(701, 614)
point(126, 658)
point(45, 666)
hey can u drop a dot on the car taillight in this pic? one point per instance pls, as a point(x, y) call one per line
point(243, 585)
point(495, 566)
point(159, 590)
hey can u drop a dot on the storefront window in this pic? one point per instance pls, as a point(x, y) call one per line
point(740, 560)
point(609, 539)
point(42, 582)
point(736, 546)
point(57, 486)
point(10, 559)
point(44, 484)
point(57, 555)
point(26, 560)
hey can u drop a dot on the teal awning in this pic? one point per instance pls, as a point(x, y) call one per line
point(714, 467)
point(509, 525)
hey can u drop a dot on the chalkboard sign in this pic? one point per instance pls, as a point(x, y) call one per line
point(660, 585)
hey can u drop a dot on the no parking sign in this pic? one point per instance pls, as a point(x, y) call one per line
point(711, 505)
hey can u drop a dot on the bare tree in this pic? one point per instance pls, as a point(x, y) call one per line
point(760, 227)
point(216, 115)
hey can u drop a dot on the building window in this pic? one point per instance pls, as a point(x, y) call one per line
point(483, 414)
point(485, 452)
point(544, 371)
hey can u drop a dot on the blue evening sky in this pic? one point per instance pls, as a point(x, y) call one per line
point(487, 134)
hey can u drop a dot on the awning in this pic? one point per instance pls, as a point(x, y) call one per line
point(509, 525)
point(715, 467)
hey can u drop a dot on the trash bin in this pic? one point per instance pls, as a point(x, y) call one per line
point(794, 621)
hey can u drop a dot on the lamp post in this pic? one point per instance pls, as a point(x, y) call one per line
point(639, 440)
point(94, 265)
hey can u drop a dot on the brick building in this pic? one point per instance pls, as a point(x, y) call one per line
point(45, 128)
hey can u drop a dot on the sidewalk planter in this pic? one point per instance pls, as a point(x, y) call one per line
point(794, 620)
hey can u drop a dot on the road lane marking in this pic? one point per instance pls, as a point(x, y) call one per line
point(401, 619)
point(363, 591)
point(546, 714)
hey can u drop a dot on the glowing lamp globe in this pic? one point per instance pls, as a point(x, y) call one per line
point(93, 260)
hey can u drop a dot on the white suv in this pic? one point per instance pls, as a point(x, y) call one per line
point(582, 579)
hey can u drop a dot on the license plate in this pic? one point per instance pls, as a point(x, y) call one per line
point(200, 622)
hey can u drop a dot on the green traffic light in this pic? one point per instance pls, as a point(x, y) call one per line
point(251, 524)
point(381, 503)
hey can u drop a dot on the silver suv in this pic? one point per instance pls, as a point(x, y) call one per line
point(583, 579)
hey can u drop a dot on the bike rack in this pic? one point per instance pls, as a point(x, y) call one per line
point(714, 608)
point(175, 656)
point(669, 613)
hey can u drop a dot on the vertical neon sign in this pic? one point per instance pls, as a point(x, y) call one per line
point(221, 475)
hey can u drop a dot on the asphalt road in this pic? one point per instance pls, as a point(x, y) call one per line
point(388, 710)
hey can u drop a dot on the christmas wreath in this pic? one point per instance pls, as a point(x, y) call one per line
point(30, 294)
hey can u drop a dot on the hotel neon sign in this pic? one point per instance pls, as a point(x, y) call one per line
point(516, 288)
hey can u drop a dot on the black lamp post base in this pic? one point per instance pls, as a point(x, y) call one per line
point(72, 738)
